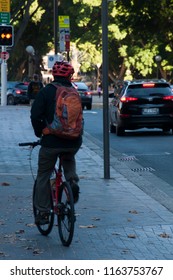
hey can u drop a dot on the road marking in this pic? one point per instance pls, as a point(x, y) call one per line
point(90, 112)
point(16, 174)
point(152, 154)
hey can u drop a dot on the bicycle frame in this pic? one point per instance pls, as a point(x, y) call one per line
point(58, 182)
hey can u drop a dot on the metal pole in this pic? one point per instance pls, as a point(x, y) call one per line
point(68, 56)
point(157, 76)
point(4, 80)
point(56, 26)
point(30, 67)
point(104, 13)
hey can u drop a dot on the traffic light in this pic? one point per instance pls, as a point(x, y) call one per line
point(6, 35)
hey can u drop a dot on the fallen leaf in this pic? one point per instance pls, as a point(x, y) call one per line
point(115, 233)
point(133, 212)
point(88, 226)
point(95, 219)
point(37, 252)
point(28, 248)
point(30, 225)
point(22, 239)
point(164, 235)
point(19, 231)
point(8, 235)
point(125, 251)
point(5, 184)
point(131, 236)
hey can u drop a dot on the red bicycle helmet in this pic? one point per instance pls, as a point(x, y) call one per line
point(62, 69)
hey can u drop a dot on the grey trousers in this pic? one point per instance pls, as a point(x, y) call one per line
point(46, 162)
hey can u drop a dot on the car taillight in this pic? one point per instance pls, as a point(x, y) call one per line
point(87, 93)
point(128, 98)
point(149, 85)
point(169, 97)
point(18, 91)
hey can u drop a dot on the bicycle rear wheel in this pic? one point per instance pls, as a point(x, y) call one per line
point(44, 229)
point(66, 215)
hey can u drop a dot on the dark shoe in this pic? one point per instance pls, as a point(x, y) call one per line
point(42, 218)
point(75, 190)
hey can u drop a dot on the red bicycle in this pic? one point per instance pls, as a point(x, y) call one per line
point(62, 203)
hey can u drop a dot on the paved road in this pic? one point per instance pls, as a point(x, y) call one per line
point(115, 219)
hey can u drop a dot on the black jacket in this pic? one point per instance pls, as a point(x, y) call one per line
point(33, 89)
point(43, 110)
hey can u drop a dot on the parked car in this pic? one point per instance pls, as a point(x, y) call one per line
point(85, 94)
point(142, 104)
point(16, 93)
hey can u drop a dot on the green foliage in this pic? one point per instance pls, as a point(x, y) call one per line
point(90, 58)
point(137, 31)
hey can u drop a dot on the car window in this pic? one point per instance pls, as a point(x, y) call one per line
point(140, 89)
point(123, 90)
point(81, 86)
point(21, 86)
point(11, 84)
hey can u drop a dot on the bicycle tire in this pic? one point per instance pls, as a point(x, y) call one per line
point(44, 229)
point(66, 214)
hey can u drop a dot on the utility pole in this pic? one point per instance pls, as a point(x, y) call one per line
point(4, 80)
point(56, 26)
point(105, 90)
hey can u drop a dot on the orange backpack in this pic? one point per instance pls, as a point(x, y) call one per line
point(68, 117)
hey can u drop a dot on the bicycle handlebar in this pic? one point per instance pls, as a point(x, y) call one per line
point(32, 144)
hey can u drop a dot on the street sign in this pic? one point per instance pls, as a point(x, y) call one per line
point(62, 40)
point(64, 22)
point(4, 5)
point(53, 58)
point(4, 18)
point(4, 55)
point(64, 33)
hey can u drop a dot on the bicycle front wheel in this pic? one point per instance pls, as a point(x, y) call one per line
point(66, 215)
point(44, 229)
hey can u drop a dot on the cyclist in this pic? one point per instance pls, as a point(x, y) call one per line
point(43, 110)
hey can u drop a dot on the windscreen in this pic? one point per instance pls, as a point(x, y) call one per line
point(148, 89)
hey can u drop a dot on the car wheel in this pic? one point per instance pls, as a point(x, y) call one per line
point(89, 107)
point(10, 100)
point(119, 130)
point(112, 128)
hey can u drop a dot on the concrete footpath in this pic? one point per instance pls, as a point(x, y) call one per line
point(115, 219)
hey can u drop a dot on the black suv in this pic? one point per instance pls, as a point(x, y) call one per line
point(142, 104)
point(85, 94)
